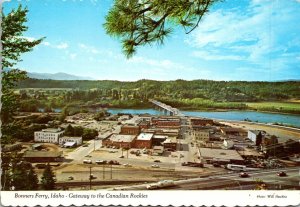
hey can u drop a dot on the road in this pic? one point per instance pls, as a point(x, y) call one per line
point(232, 180)
point(81, 152)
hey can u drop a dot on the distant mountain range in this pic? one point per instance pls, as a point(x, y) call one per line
point(57, 76)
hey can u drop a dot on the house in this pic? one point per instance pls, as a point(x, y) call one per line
point(43, 156)
point(48, 135)
point(144, 140)
point(120, 140)
point(76, 140)
point(132, 130)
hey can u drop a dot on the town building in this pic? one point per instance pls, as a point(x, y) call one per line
point(76, 140)
point(48, 135)
point(166, 121)
point(158, 150)
point(128, 129)
point(230, 131)
point(256, 136)
point(43, 156)
point(144, 140)
point(201, 122)
point(200, 134)
point(220, 155)
point(120, 141)
point(144, 125)
point(170, 144)
point(159, 139)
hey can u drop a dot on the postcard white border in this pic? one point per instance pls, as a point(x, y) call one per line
point(153, 198)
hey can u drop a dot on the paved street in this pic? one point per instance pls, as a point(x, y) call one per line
point(81, 152)
point(214, 182)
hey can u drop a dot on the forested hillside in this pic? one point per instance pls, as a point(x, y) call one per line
point(220, 91)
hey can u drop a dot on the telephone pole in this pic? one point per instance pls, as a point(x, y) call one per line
point(90, 178)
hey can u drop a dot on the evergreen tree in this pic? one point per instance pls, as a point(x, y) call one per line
point(13, 46)
point(48, 179)
point(23, 176)
point(32, 180)
point(142, 22)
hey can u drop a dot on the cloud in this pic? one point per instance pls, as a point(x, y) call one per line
point(165, 64)
point(73, 56)
point(213, 56)
point(89, 49)
point(261, 32)
point(62, 45)
point(46, 43)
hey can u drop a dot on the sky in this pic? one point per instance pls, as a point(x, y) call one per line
point(249, 40)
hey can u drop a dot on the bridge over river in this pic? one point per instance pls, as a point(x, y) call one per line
point(167, 110)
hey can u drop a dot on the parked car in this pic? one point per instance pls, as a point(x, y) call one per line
point(127, 165)
point(113, 162)
point(244, 175)
point(100, 162)
point(281, 174)
point(70, 178)
point(87, 161)
point(155, 166)
point(156, 160)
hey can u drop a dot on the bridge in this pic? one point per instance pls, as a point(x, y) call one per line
point(167, 110)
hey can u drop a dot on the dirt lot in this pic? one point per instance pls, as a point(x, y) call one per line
point(283, 133)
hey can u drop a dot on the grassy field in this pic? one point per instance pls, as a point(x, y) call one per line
point(283, 105)
point(288, 107)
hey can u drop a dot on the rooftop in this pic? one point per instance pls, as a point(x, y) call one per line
point(65, 137)
point(42, 154)
point(52, 130)
point(231, 129)
point(160, 136)
point(122, 138)
point(145, 136)
point(220, 154)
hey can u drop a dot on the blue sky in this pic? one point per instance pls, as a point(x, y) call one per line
point(238, 40)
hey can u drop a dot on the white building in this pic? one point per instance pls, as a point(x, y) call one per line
point(48, 135)
point(254, 134)
point(77, 140)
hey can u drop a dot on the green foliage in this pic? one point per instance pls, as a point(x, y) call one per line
point(17, 174)
point(13, 42)
point(13, 45)
point(48, 179)
point(69, 131)
point(101, 115)
point(89, 134)
point(78, 131)
point(138, 23)
point(196, 94)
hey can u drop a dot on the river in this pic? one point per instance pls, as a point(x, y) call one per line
point(287, 119)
